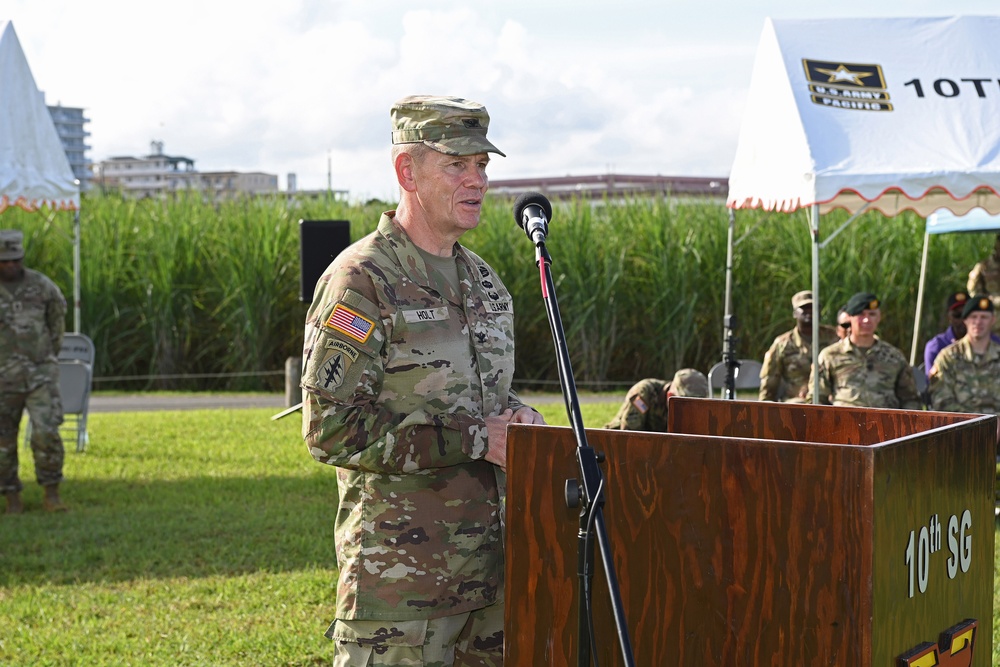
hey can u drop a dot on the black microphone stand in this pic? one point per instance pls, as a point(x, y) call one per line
point(588, 491)
point(730, 359)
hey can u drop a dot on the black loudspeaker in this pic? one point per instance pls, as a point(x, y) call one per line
point(319, 242)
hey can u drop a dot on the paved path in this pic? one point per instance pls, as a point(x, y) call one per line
point(147, 402)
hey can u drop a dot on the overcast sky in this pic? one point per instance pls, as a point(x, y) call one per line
point(573, 87)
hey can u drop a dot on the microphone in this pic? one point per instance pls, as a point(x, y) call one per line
point(532, 212)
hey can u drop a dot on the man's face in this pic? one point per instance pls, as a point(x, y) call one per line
point(979, 324)
point(804, 317)
point(11, 270)
point(956, 321)
point(866, 323)
point(450, 189)
point(843, 325)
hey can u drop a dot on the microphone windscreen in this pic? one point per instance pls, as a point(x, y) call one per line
point(529, 199)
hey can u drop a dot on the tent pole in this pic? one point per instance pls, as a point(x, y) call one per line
point(816, 303)
point(76, 271)
point(920, 303)
point(729, 274)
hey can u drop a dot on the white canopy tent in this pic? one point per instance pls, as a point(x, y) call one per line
point(889, 114)
point(34, 171)
point(944, 221)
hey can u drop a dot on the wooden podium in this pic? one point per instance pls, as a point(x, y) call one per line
point(763, 534)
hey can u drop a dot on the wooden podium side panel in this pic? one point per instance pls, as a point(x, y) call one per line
point(728, 552)
point(795, 422)
point(934, 541)
point(540, 586)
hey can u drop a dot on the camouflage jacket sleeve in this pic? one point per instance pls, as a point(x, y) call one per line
point(55, 317)
point(941, 384)
point(644, 404)
point(770, 372)
point(906, 387)
point(388, 382)
point(825, 380)
point(977, 282)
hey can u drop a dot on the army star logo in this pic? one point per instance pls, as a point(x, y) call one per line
point(332, 372)
point(844, 75)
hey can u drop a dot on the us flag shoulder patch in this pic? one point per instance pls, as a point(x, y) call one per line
point(350, 323)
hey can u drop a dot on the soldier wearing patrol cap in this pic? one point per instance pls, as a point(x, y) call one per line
point(645, 406)
point(966, 374)
point(407, 366)
point(863, 370)
point(787, 362)
point(32, 322)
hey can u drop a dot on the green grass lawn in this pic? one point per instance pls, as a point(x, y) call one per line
point(195, 538)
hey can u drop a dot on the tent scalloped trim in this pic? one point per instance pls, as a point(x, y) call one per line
point(900, 201)
point(32, 205)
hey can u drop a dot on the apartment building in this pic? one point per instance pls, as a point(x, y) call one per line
point(69, 123)
point(159, 174)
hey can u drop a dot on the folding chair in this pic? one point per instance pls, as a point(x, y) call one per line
point(77, 347)
point(76, 368)
point(747, 376)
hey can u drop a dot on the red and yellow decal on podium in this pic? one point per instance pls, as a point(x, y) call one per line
point(954, 649)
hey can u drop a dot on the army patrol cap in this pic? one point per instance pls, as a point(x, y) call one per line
point(689, 382)
point(957, 300)
point(449, 125)
point(804, 298)
point(861, 302)
point(11, 244)
point(977, 303)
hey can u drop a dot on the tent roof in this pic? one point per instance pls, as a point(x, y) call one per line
point(944, 221)
point(34, 170)
point(902, 113)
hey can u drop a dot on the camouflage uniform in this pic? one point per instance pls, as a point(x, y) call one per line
point(32, 322)
point(787, 363)
point(400, 372)
point(644, 409)
point(876, 377)
point(985, 279)
point(962, 381)
point(645, 406)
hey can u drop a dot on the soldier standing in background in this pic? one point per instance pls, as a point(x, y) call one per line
point(956, 329)
point(966, 374)
point(785, 371)
point(843, 323)
point(985, 276)
point(408, 361)
point(32, 322)
point(862, 370)
point(645, 406)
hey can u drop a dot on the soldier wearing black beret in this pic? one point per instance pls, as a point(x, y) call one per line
point(862, 370)
point(966, 374)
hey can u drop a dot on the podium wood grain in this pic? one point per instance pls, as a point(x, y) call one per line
point(753, 534)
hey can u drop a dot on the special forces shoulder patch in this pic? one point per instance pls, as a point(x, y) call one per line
point(350, 323)
point(331, 374)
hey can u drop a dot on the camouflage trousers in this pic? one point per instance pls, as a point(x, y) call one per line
point(473, 639)
point(46, 414)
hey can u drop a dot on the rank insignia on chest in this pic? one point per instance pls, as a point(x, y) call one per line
point(350, 323)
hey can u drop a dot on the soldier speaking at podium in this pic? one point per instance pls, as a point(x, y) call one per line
point(408, 361)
